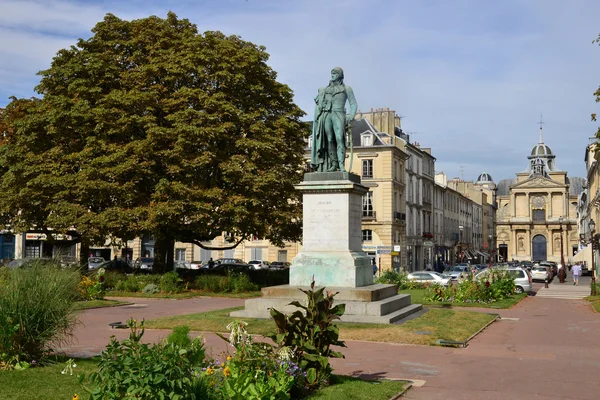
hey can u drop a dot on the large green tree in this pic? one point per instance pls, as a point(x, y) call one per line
point(151, 127)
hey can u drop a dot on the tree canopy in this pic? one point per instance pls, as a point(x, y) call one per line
point(151, 127)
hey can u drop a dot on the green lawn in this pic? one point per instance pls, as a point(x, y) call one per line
point(438, 323)
point(348, 388)
point(86, 305)
point(594, 302)
point(418, 296)
point(45, 383)
point(184, 295)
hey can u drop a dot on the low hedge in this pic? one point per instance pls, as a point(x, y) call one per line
point(260, 278)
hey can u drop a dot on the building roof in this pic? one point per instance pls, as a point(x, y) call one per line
point(504, 186)
point(576, 185)
point(484, 178)
point(362, 126)
point(541, 149)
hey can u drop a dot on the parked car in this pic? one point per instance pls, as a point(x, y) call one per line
point(116, 265)
point(429, 277)
point(182, 264)
point(232, 267)
point(520, 275)
point(196, 264)
point(229, 261)
point(553, 266)
point(24, 262)
point(280, 265)
point(94, 262)
point(541, 272)
point(259, 264)
point(459, 272)
point(144, 264)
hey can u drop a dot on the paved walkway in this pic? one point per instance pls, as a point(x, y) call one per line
point(566, 290)
point(543, 348)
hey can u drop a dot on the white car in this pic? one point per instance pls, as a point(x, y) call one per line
point(521, 276)
point(540, 273)
point(429, 277)
point(259, 264)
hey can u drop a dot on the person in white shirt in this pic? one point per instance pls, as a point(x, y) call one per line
point(576, 273)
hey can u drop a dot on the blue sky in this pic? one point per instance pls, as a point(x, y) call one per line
point(469, 77)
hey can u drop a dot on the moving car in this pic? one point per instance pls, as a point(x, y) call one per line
point(429, 277)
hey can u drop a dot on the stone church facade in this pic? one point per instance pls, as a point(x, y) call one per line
point(536, 218)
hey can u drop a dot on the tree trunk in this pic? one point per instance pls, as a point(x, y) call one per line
point(84, 253)
point(163, 255)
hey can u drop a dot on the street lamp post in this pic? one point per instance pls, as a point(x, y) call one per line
point(563, 272)
point(592, 226)
point(490, 251)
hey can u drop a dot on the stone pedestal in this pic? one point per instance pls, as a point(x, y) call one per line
point(332, 255)
point(331, 232)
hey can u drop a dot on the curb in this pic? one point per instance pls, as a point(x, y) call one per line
point(481, 330)
point(409, 384)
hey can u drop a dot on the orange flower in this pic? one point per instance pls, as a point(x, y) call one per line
point(227, 371)
point(75, 396)
point(228, 358)
point(209, 371)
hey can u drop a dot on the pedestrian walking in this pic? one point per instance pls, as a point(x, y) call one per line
point(576, 273)
point(374, 268)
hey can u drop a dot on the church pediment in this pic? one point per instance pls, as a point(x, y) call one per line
point(538, 182)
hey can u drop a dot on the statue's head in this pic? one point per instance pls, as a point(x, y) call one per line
point(339, 74)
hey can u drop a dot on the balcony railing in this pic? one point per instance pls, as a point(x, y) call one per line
point(369, 215)
point(398, 216)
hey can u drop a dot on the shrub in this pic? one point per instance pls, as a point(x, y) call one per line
point(180, 336)
point(132, 369)
point(396, 278)
point(254, 371)
point(112, 278)
point(497, 286)
point(241, 283)
point(36, 311)
point(131, 284)
point(211, 283)
point(170, 283)
point(150, 288)
point(91, 286)
point(310, 332)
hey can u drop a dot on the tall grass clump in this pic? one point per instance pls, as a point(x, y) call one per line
point(36, 312)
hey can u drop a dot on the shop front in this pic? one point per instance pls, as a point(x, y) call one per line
point(37, 245)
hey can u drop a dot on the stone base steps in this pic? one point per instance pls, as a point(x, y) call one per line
point(377, 304)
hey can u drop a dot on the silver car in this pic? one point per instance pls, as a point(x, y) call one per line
point(429, 277)
point(94, 262)
point(521, 276)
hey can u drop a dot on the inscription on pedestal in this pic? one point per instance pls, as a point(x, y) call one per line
point(325, 222)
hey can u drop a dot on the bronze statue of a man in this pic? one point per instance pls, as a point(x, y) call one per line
point(328, 135)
